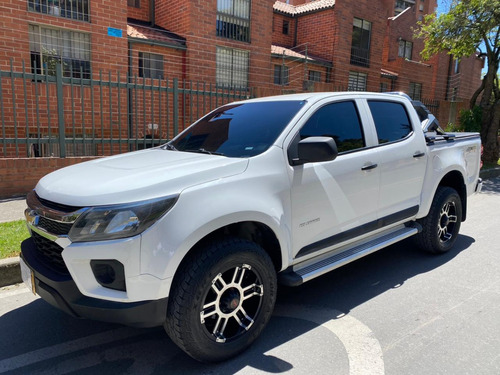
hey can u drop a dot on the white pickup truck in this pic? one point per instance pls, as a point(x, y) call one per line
point(196, 234)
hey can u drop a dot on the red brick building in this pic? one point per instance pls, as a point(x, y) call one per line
point(369, 45)
point(261, 46)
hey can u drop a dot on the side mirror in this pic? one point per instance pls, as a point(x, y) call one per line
point(316, 149)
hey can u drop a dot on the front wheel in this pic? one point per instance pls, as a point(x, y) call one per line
point(221, 300)
point(441, 226)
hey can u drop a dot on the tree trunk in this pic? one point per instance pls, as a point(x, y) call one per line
point(490, 123)
point(489, 133)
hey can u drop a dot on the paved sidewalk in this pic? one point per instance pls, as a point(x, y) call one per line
point(12, 209)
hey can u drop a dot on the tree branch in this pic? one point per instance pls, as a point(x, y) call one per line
point(473, 100)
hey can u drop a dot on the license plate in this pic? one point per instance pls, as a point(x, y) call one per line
point(28, 276)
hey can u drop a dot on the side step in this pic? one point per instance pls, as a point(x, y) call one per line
point(300, 275)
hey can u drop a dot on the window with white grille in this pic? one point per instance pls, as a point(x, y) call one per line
point(357, 81)
point(49, 46)
point(73, 9)
point(232, 67)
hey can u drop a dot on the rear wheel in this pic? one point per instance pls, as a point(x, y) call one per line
point(221, 300)
point(441, 226)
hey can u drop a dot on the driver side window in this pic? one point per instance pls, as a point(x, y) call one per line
point(338, 120)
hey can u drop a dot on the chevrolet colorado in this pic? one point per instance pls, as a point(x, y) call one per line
point(196, 234)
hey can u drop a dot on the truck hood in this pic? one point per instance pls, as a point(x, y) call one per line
point(134, 176)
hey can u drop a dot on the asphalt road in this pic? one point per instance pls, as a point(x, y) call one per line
point(398, 311)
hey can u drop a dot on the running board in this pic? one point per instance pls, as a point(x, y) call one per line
point(301, 275)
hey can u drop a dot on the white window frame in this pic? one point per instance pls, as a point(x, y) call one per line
point(357, 81)
point(232, 67)
point(63, 45)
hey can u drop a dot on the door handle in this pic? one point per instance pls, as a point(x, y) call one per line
point(418, 154)
point(368, 167)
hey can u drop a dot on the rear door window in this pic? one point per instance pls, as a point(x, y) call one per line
point(391, 120)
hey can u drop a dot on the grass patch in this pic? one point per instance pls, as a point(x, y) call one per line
point(11, 236)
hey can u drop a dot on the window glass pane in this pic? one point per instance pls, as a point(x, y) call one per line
point(277, 74)
point(53, 46)
point(401, 50)
point(34, 32)
point(357, 81)
point(314, 76)
point(233, 19)
point(360, 46)
point(339, 121)
point(150, 65)
point(286, 25)
point(358, 23)
point(232, 67)
point(74, 9)
point(239, 130)
point(408, 49)
point(391, 121)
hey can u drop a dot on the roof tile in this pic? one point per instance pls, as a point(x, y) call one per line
point(312, 6)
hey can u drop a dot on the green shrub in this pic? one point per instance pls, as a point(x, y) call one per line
point(470, 119)
point(451, 127)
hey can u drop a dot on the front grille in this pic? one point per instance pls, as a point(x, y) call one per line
point(54, 227)
point(57, 206)
point(49, 254)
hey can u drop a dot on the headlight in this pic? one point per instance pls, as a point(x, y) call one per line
point(119, 221)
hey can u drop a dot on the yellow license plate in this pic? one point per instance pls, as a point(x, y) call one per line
point(28, 276)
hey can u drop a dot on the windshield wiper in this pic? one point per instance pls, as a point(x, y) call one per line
point(203, 151)
point(169, 146)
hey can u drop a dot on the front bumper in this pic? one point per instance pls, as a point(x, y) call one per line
point(62, 292)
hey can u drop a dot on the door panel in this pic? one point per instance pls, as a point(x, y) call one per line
point(330, 197)
point(402, 157)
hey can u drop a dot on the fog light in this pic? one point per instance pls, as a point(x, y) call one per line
point(109, 273)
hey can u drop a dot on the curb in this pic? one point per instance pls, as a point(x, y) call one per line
point(10, 271)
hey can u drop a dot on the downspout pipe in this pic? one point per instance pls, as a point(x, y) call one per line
point(130, 94)
point(152, 14)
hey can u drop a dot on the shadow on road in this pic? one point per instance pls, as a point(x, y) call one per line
point(491, 186)
point(38, 325)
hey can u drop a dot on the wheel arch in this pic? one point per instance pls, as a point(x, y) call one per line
point(250, 230)
point(455, 180)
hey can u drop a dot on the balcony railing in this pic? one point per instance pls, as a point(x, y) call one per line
point(360, 56)
point(233, 28)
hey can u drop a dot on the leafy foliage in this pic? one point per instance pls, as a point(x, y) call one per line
point(463, 29)
point(470, 119)
point(468, 27)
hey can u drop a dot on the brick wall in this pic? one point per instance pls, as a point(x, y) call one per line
point(317, 31)
point(14, 179)
point(280, 39)
point(196, 21)
point(107, 52)
point(298, 73)
point(345, 13)
point(141, 13)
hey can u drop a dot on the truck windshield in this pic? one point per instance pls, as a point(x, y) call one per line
point(238, 130)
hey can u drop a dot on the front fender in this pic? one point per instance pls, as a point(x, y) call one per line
point(201, 211)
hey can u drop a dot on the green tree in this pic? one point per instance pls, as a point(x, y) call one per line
point(468, 27)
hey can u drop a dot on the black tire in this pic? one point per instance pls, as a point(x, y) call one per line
point(441, 226)
point(207, 292)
